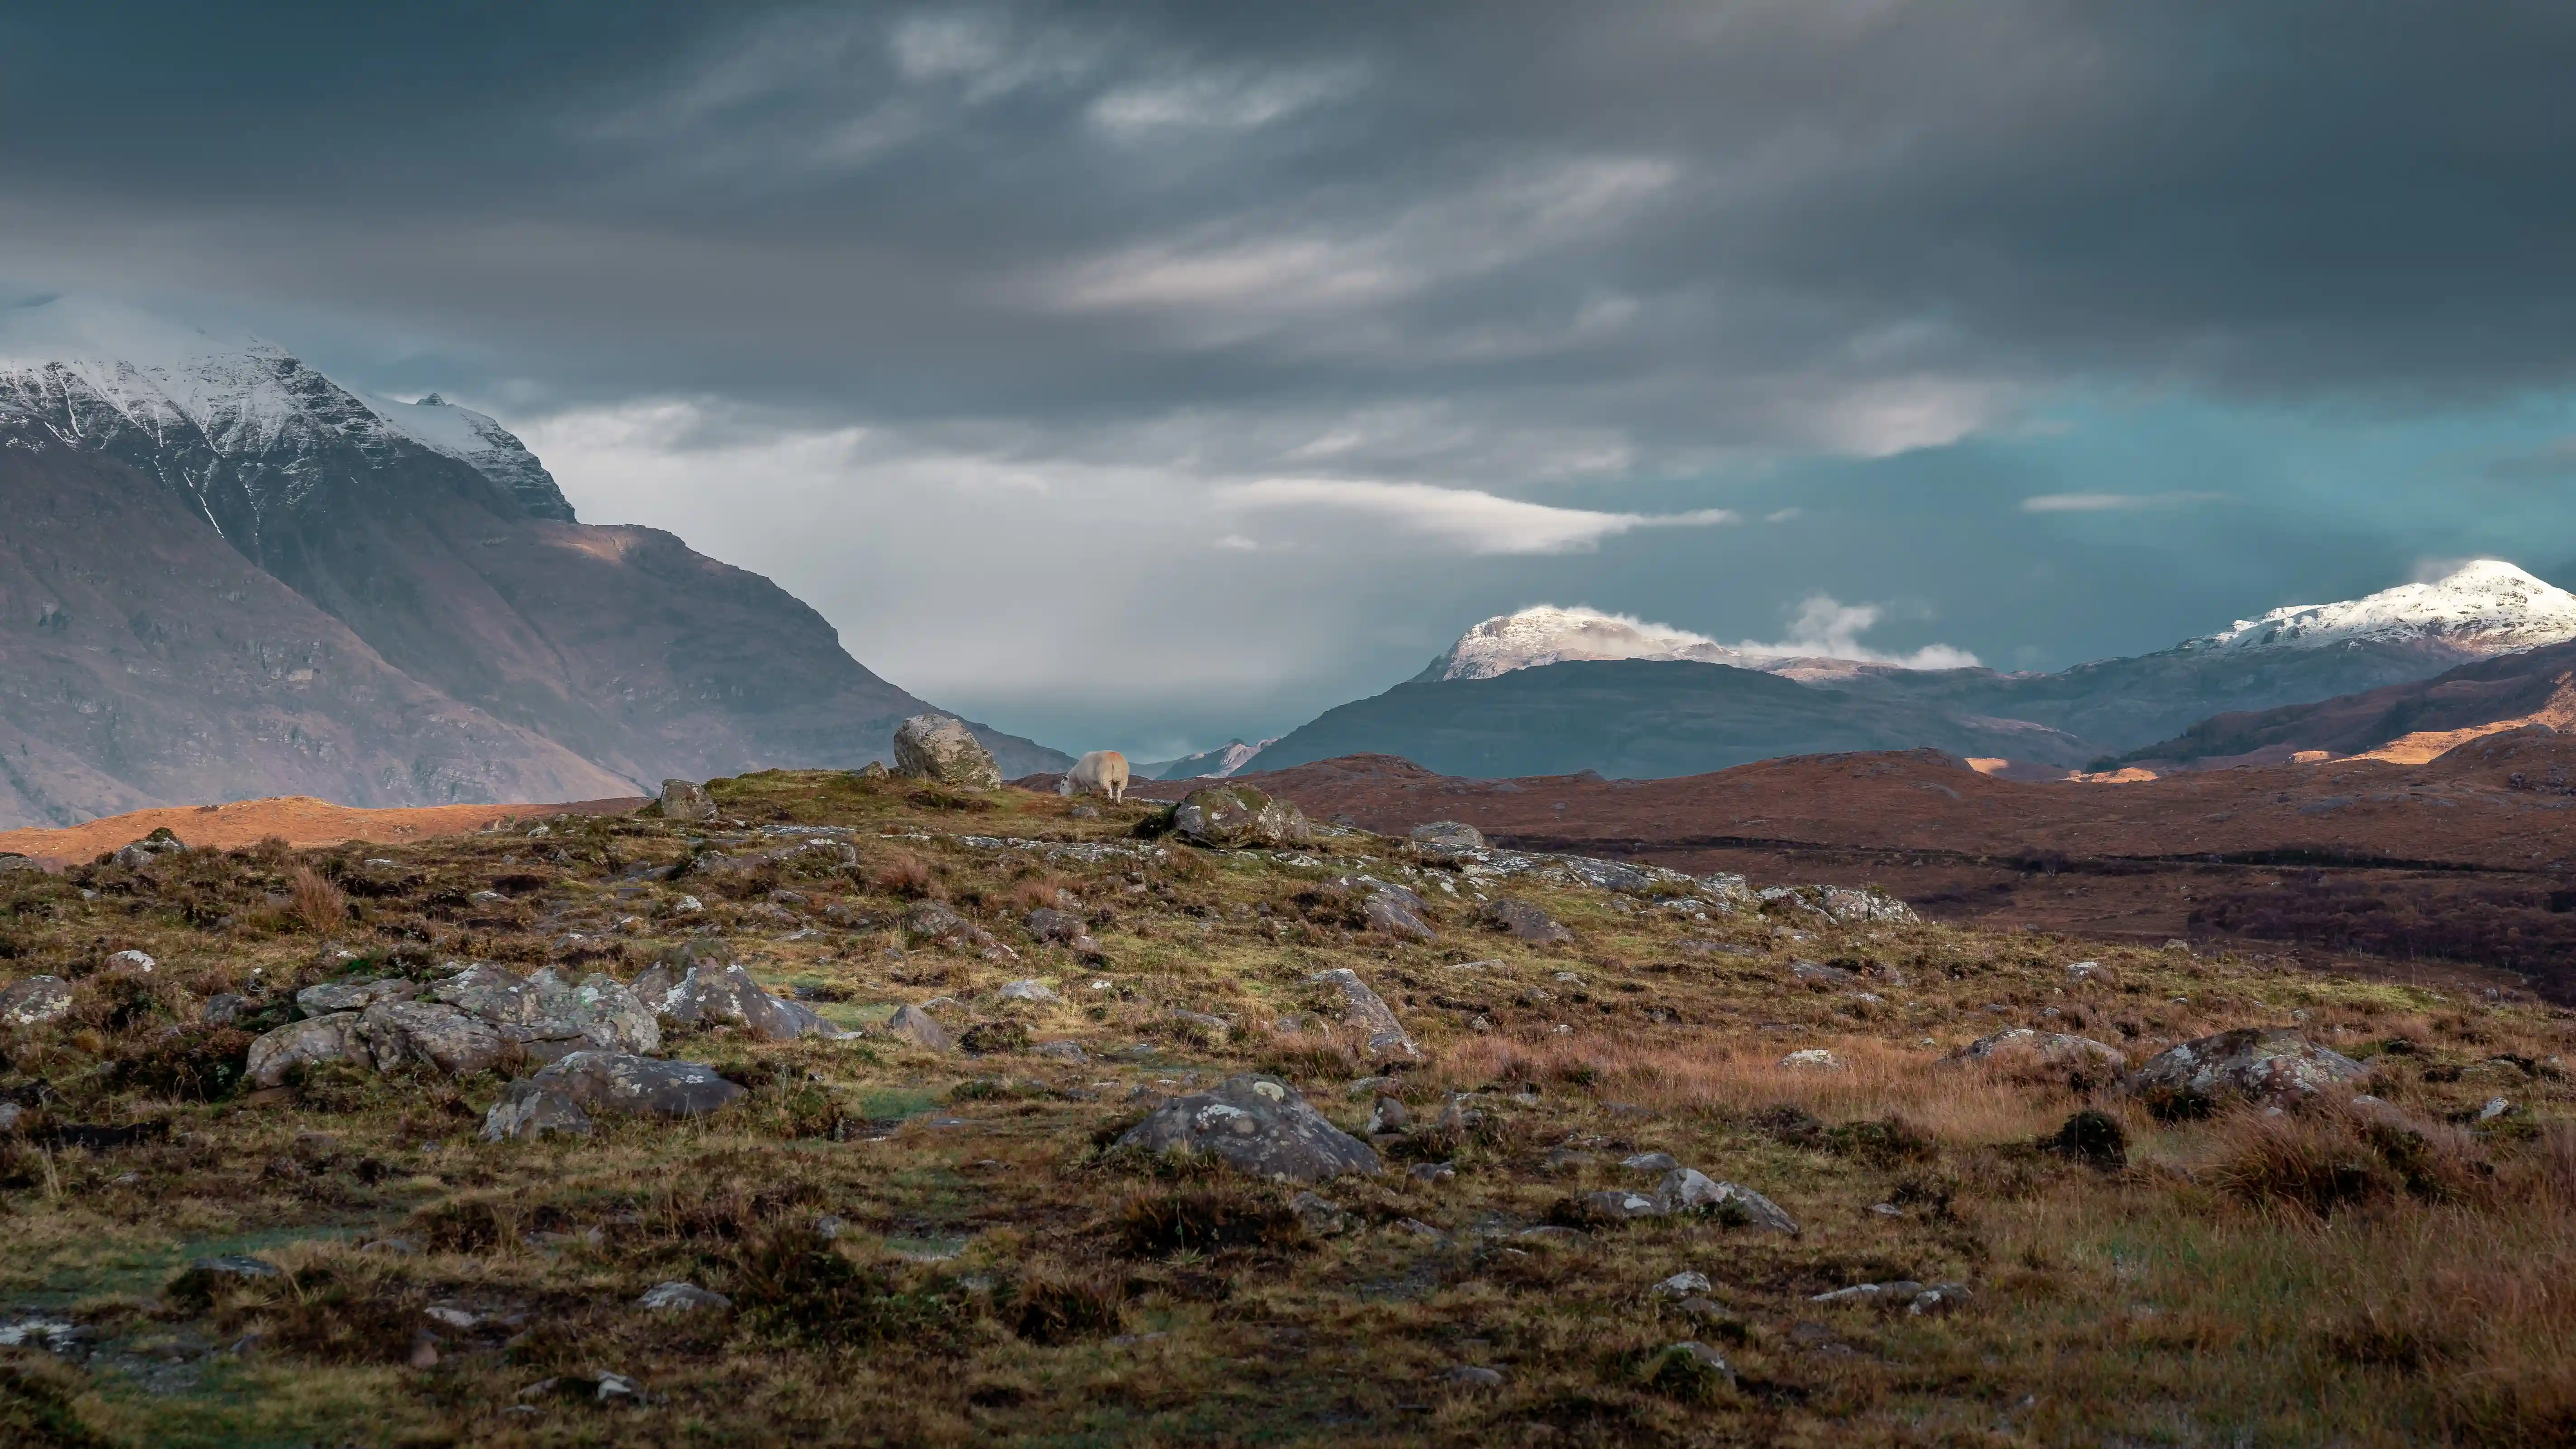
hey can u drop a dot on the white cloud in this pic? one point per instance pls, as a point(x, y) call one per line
point(1828, 628)
point(1461, 518)
point(1217, 101)
point(2112, 502)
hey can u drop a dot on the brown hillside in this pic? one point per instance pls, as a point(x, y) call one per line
point(299, 820)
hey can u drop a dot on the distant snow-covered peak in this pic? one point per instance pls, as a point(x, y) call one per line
point(1548, 634)
point(2482, 608)
point(479, 441)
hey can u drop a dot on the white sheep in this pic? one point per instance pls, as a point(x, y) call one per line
point(1101, 770)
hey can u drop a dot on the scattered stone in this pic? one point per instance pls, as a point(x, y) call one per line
point(1394, 911)
point(1446, 837)
point(1691, 1361)
point(943, 751)
point(130, 961)
point(149, 849)
point(1258, 1125)
point(1551, 1233)
point(459, 1319)
point(712, 995)
point(681, 1297)
point(2495, 1107)
point(1365, 1012)
point(1388, 1115)
point(1621, 1205)
point(1825, 975)
point(1680, 1285)
point(1322, 1216)
point(1238, 817)
point(1657, 1162)
point(872, 770)
point(1523, 921)
point(1812, 1059)
point(2083, 970)
point(1706, 1310)
point(1938, 1299)
point(1887, 1209)
point(1063, 1051)
point(987, 1037)
point(332, 1038)
point(915, 1025)
point(1051, 925)
point(1433, 1172)
point(2083, 1059)
point(1471, 1376)
point(1210, 1031)
point(1562, 1160)
point(2264, 1065)
point(38, 998)
point(1687, 1189)
point(1420, 1229)
point(10, 1112)
point(686, 802)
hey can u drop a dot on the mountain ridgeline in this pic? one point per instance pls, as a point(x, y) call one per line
point(224, 575)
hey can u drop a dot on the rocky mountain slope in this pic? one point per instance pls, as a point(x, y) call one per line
point(1569, 720)
point(2402, 723)
point(227, 576)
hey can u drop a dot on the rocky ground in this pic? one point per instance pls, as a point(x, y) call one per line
point(815, 1107)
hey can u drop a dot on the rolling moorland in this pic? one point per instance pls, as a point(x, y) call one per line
point(1643, 1143)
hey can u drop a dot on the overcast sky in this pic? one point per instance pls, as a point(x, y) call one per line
point(1139, 375)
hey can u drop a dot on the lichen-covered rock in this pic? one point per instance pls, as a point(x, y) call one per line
point(1687, 1189)
point(1032, 991)
point(2250, 1063)
point(1257, 1125)
point(943, 751)
point(333, 996)
point(622, 1083)
point(527, 1110)
point(545, 1016)
point(150, 848)
point(1366, 1013)
point(912, 1024)
point(713, 995)
point(2081, 1059)
point(1238, 817)
point(332, 1038)
point(1524, 921)
point(431, 1033)
point(1049, 924)
point(872, 770)
point(1446, 837)
point(35, 999)
point(1842, 905)
point(686, 802)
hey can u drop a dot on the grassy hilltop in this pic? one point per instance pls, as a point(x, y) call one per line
point(926, 1247)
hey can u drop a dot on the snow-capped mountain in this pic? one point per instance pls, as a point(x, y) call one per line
point(2478, 610)
point(242, 424)
point(1547, 634)
point(1213, 764)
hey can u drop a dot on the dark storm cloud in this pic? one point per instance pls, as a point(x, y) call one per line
point(1854, 226)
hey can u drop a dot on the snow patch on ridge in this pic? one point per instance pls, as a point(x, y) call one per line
point(1826, 634)
point(2482, 608)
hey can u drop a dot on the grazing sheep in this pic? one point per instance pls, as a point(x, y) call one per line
point(1101, 770)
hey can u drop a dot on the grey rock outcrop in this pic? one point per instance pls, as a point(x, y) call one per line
point(333, 996)
point(1365, 1012)
point(2078, 1056)
point(1446, 837)
point(35, 999)
point(1238, 817)
point(1257, 1125)
point(1686, 1189)
point(610, 1084)
point(686, 802)
point(1049, 924)
point(681, 1297)
point(430, 1033)
point(712, 995)
point(330, 1038)
point(2248, 1063)
point(1524, 921)
point(943, 751)
point(546, 1016)
point(149, 849)
point(915, 1025)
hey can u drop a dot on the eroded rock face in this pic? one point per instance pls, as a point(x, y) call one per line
point(943, 751)
point(331, 1038)
point(686, 801)
point(1257, 1125)
point(431, 1033)
point(2250, 1062)
point(1365, 1012)
point(1525, 922)
point(622, 1083)
point(1238, 817)
point(37, 998)
point(1391, 910)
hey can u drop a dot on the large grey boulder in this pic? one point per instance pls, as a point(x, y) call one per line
point(912, 1024)
point(943, 751)
point(431, 1033)
point(2250, 1062)
point(545, 1016)
point(1524, 921)
point(726, 995)
point(686, 801)
point(333, 996)
point(1446, 837)
point(2079, 1057)
point(1258, 1125)
point(1366, 1013)
point(608, 1084)
point(1686, 1189)
point(531, 1111)
point(1238, 817)
point(37, 998)
point(332, 1038)
point(1842, 905)
point(150, 848)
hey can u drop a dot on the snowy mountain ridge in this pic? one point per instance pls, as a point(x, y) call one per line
point(2483, 608)
point(1549, 634)
point(95, 374)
